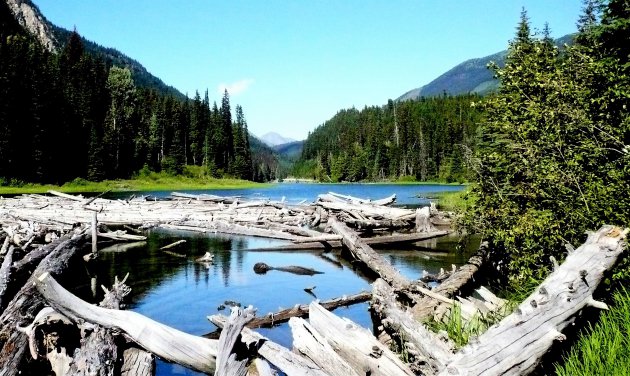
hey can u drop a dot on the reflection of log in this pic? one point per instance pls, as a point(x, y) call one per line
point(356, 345)
point(123, 247)
point(286, 360)
point(421, 342)
point(27, 303)
point(519, 341)
point(368, 256)
point(170, 344)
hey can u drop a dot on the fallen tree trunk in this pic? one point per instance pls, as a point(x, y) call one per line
point(517, 343)
point(424, 345)
point(169, 344)
point(368, 210)
point(356, 345)
point(363, 252)
point(27, 303)
point(301, 310)
point(286, 360)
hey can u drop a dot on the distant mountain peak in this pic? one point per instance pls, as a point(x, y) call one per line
point(273, 139)
point(470, 76)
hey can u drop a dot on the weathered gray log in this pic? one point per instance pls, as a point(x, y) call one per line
point(5, 275)
point(517, 343)
point(227, 364)
point(260, 367)
point(423, 220)
point(426, 306)
point(308, 342)
point(322, 238)
point(301, 310)
point(35, 256)
point(94, 234)
point(173, 245)
point(356, 345)
point(65, 195)
point(363, 252)
point(368, 210)
point(373, 224)
point(234, 229)
point(286, 360)
point(170, 344)
point(336, 197)
point(122, 236)
point(27, 303)
point(5, 245)
point(137, 362)
point(426, 347)
point(204, 197)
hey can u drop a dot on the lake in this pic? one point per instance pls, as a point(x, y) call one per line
point(181, 293)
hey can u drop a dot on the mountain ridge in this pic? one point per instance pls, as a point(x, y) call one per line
point(469, 77)
point(272, 139)
point(54, 38)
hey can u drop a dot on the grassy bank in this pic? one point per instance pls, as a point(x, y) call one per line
point(452, 201)
point(605, 348)
point(152, 181)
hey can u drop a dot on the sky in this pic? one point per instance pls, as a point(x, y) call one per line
point(293, 64)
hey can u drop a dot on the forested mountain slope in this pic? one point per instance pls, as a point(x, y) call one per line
point(425, 139)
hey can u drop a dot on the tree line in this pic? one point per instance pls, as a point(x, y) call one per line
point(70, 115)
point(423, 139)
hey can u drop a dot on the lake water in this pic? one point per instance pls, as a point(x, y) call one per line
point(179, 292)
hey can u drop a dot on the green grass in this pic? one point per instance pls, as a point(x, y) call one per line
point(605, 348)
point(192, 178)
point(461, 331)
point(453, 201)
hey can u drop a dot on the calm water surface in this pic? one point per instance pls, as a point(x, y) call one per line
point(180, 292)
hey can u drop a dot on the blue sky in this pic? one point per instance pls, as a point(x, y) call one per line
point(293, 64)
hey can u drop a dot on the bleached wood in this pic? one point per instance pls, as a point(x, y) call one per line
point(65, 195)
point(170, 344)
point(308, 342)
point(368, 210)
point(434, 351)
point(367, 255)
point(356, 345)
point(260, 367)
point(5, 275)
point(286, 360)
point(137, 362)
point(173, 245)
point(227, 364)
point(517, 343)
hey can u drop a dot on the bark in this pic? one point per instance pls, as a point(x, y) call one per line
point(227, 364)
point(517, 343)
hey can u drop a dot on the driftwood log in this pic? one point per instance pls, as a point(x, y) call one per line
point(28, 302)
point(517, 343)
point(170, 344)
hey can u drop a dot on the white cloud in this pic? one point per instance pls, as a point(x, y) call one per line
point(235, 88)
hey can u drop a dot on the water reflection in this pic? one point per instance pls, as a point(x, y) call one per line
point(180, 292)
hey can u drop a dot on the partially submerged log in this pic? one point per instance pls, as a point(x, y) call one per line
point(361, 251)
point(517, 343)
point(262, 268)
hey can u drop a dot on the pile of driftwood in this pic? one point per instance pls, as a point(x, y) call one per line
point(43, 320)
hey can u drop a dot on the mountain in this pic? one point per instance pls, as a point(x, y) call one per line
point(272, 139)
point(291, 150)
point(54, 38)
point(471, 76)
